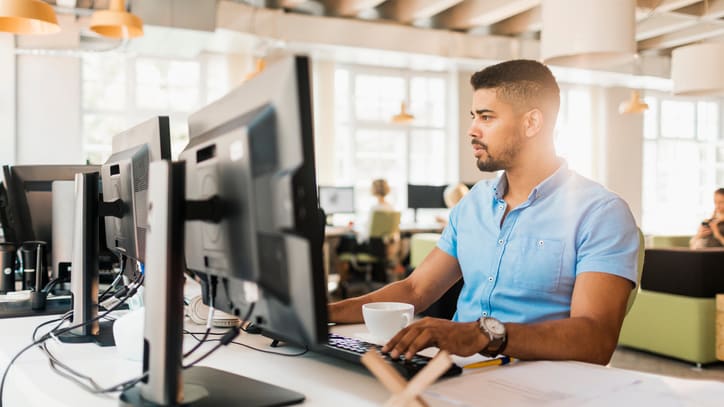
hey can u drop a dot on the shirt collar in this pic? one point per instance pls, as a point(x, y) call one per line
point(546, 187)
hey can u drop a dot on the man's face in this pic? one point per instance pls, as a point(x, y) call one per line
point(495, 133)
point(719, 203)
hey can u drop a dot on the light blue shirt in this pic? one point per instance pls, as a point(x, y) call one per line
point(523, 270)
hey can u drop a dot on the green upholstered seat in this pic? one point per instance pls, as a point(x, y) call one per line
point(672, 325)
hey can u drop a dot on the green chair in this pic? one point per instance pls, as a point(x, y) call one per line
point(668, 241)
point(371, 259)
point(675, 307)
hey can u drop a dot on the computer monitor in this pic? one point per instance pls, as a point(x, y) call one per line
point(253, 235)
point(336, 199)
point(425, 196)
point(26, 207)
point(254, 150)
point(125, 179)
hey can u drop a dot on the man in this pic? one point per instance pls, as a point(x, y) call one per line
point(548, 258)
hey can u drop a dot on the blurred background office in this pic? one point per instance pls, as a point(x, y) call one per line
point(392, 94)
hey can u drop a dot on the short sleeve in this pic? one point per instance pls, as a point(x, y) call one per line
point(608, 241)
point(449, 240)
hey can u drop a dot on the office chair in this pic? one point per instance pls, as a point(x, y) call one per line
point(370, 260)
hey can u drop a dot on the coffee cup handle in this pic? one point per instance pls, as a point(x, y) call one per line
point(405, 320)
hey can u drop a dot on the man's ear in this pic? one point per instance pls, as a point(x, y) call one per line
point(533, 123)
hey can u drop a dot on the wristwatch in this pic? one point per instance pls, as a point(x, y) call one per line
point(495, 330)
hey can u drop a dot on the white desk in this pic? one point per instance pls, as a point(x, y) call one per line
point(323, 380)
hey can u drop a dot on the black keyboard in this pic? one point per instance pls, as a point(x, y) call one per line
point(352, 349)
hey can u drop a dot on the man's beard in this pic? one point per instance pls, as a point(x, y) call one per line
point(504, 160)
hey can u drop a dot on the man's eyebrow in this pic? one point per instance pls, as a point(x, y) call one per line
point(482, 111)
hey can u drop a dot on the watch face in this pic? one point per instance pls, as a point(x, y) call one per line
point(495, 326)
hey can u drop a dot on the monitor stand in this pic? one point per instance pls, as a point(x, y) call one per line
point(84, 269)
point(167, 384)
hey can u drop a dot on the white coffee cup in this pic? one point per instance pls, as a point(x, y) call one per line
point(385, 319)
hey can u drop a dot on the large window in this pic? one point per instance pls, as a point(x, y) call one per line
point(120, 91)
point(683, 164)
point(369, 146)
point(574, 130)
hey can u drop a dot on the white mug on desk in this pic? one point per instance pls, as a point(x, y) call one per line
point(385, 319)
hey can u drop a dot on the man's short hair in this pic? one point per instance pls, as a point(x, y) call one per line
point(525, 84)
point(719, 191)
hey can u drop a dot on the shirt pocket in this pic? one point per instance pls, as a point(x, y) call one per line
point(539, 264)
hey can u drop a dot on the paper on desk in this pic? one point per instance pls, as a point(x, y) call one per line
point(534, 384)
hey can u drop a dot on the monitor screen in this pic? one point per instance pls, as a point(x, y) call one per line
point(425, 196)
point(336, 199)
point(27, 208)
point(254, 150)
point(125, 179)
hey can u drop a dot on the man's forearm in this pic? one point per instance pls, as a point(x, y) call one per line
point(350, 310)
point(582, 339)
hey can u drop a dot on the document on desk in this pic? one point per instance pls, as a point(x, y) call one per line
point(568, 384)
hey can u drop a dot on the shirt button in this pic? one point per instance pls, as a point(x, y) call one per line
point(540, 243)
point(490, 278)
point(500, 206)
point(500, 241)
point(485, 314)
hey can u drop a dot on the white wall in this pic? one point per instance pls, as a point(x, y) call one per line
point(7, 99)
point(622, 149)
point(48, 110)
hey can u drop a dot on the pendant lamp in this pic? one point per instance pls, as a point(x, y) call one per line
point(27, 17)
point(403, 116)
point(698, 70)
point(116, 22)
point(259, 66)
point(588, 33)
point(633, 105)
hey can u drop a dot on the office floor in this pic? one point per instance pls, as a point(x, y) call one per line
point(630, 359)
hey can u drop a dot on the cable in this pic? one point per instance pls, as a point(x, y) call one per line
point(198, 344)
point(116, 279)
point(57, 331)
point(225, 340)
point(7, 369)
point(193, 335)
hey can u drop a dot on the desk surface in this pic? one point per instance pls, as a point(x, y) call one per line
point(326, 381)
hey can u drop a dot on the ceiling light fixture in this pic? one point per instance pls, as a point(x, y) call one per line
point(27, 17)
point(633, 105)
point(588, 33)
point(259, 66)
point(698, 70)
point(403, 116)
point(116, 22)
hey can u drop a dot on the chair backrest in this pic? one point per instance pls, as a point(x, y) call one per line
point(639, 272)
point(669, 241)
point(384, 223)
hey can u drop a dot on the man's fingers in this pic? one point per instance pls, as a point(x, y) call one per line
point(421, 342)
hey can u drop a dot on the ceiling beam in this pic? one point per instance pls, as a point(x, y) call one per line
point(349, 8)
point(660, 24)
point(708, 10)
point(527, 21)
point(701, 31)
point(661, 6)
point(473, 13)
point(407, 11)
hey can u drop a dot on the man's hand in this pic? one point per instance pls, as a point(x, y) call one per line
point(463, 339)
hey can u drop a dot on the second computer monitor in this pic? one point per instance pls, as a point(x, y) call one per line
point(425, 196)
point(336, 199)
point(253, 151)
point(125, 180)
